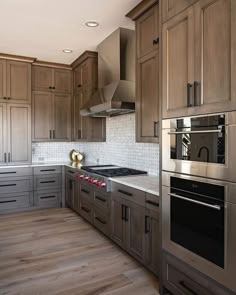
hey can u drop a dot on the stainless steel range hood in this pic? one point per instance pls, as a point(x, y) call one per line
point(116, 77)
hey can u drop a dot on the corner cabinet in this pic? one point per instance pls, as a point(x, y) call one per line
point(199, 59)
point(147, 71)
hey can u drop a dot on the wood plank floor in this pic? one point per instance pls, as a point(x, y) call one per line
point(56, 252)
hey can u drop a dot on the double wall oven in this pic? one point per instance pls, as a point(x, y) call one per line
point(199, 194)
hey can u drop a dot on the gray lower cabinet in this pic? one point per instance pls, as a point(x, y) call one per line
point(47, 198)
point(86, 209)
point(70, 191)
point(12, 202)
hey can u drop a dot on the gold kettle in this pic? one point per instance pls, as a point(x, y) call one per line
point(76, 156)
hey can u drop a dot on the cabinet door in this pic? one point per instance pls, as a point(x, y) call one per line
point(147, 98)
point(77, 79)
point(77, 119)
point(19, 133)
point(62, 81)
point(152, 242)
point(41, 117)
point(97, 128)
point(215, 22)
point(118, 233)
point(147, 28)
point(42, 78)
point(85, 73)
point(3, 135)
point(70, 191)
point(61, 116)
point(77, 196)
point(171, 8)
point(135, 231)
point(178, 64)
point(3, 90)
point(19, 82)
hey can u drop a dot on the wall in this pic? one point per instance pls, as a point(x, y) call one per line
point(119, 149)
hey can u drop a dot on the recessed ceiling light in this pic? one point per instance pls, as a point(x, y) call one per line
point(92, 24)
point(67, 50)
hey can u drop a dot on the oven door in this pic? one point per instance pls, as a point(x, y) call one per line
point(200, 230)
point(201, 146)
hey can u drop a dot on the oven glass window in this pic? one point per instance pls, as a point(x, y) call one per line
point(197, 218)
point(200, 139)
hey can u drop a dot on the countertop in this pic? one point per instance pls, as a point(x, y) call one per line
point(147, 183)
point(50, 163)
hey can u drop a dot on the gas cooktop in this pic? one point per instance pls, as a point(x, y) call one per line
point(112, 171)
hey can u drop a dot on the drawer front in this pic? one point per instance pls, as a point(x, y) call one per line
point(102, 221)
point(102, 200)
point(15, 172)
point(16, 185)
point(15, 201)
point(87, 192)
point(152, 202)
point(129, 193)
point(47, 199)
point(47, 170)
point(86, 209)
point(47, 182)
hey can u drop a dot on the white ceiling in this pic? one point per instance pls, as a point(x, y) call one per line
point(42, 28)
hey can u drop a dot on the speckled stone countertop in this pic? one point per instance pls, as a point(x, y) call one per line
point(147, 183)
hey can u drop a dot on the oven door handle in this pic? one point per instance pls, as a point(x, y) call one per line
point(195, 132)
point(216, 207)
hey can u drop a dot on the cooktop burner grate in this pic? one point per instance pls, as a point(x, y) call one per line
point(113, 171)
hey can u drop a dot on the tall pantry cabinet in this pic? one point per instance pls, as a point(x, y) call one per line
point(15, 111)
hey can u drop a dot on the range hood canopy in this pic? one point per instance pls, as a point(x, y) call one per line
point(116, 77)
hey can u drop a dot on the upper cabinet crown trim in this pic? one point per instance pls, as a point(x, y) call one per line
point(87, 54)
point(141, 8)
point(17, 57)
point(52, 65)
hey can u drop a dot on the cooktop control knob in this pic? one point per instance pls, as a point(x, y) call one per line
point(81, 176)
point(103, 184)
point(77, 175)
point(86, 177)
point(94, 181)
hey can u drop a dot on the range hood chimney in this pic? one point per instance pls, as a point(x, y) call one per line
point(116, 76)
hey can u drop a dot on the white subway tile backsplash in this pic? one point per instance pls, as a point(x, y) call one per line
point(119, 149)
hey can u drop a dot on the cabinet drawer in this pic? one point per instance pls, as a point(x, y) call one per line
point(47, 182)
point(47, 170)
point(129, 193)
point(15, 201)
point(102, 221)
point(86, 192)
point(86, 209)
point(15, 172)
point(102, 200)
point(16, 185)
point(47, 199)
point(152, 202)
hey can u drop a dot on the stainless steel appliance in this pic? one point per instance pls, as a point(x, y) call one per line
point(100, 175)
point(198, 224)
point(201, 146)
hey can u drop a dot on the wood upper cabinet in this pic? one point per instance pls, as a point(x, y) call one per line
point(199, 54)
point(19, 133)
point(52, 79)
point(51, 120)
point(178, 62)
point(147, 98)
point(3, 84)
point(147, 31)
point(3, 133)
point(170, 8)
point(15, 81)
point(61, 116)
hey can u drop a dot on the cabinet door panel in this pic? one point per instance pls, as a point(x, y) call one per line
point(42, 78)
point(70, 191)
point(77, 119)
point(117, 223)
point(62, 80)
point(3, 138)
point(147, 98)
point(135, 231)
point(3, 90)
point(147, 27)
point(77, 79)
point(61, 116)
point(214, 53)
point(19, 133)
point(178, 62)
point(19, 81)
point(41, 119)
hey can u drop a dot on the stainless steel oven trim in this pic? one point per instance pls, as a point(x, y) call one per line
point(195, 132)
point(224, 276)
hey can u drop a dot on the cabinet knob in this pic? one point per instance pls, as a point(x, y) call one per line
point(53, 87)
point(79, 85)
point(50, 87)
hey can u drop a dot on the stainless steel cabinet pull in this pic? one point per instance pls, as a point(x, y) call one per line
point(47, 170)
point(152, 203)
point(47, 197)
point(100, 220)
point(48, 181)
point(84, 191)
point(216, 207)
point(189, 87)
point(79, 134)
point(183, 284)
point(50, 134)
point(156, 127)
point(54, 134)
point(123, 212)
point(85, 209)
point(4, 202)
point(125, 193)
point(195, 132)
point(126, 214)
point(13, 172)
point(147, 224)
point(6, 185)
point(195, 95)
point(100, 199)
point(9, 157)
point(5, 157)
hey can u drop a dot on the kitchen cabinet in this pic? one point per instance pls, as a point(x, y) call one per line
point(147, 65)
point(118, 228)
point(15, 81)
point(3, 134)
point(201, 79)
point(70, 184)
point(51, 120)
point(52, 79)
